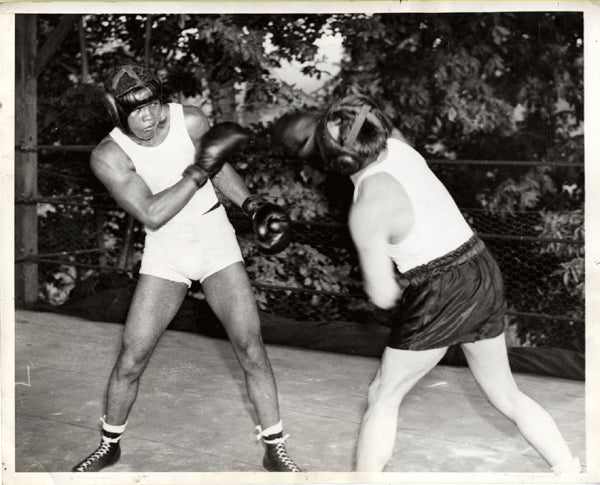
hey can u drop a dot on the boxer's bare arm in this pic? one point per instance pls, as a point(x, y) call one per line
point(381, 215)
point(231, 184)
point(114, 169)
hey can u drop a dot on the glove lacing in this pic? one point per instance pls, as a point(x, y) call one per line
point(252, 204)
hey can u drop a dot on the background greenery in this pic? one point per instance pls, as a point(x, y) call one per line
point(484, 86)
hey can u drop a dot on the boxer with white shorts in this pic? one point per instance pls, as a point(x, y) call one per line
point(161, 163)
point(194, 252)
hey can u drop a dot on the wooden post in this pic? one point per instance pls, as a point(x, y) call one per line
point(28, 64)
point(26, 223)
point(85, 70)
point(148, 42)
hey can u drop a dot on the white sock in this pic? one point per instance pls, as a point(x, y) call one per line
point(276, 428)
point(271, 430)
point(113, 429)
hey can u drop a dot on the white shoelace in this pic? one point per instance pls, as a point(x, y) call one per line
point(281, 452)
point(102, 450)
point(283, 456)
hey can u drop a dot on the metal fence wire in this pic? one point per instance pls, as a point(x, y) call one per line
point(82, 233)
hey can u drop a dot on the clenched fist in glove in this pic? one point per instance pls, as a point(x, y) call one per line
point(296, 133)
point(270, 222)
point(216, 145)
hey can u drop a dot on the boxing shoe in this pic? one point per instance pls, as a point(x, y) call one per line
point(276, 458)
point(107, 454)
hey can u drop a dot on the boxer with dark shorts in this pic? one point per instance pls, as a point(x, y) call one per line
point(421, 261)
point(454, 299)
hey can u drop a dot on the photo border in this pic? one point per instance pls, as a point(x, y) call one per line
point(591, 12)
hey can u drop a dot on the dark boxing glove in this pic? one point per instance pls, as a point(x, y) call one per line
point(219, 143)
point(296, 133)
point(271, 224)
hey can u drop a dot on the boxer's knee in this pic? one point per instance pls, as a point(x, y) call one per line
point(384, 397)
point(507, 400)
point(251, 352)
point(130, 365)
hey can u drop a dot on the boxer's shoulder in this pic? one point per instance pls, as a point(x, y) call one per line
point(109, 155)
point(380, 186)
point(382, 202)
point(196, 122)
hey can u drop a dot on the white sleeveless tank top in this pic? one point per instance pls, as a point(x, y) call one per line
point(161, 167)
point(439, 227)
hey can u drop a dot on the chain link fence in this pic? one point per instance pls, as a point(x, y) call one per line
point(82, 233)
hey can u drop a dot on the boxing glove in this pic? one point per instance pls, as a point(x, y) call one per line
point(296, 133)
point(271, 224)
point(219, 143)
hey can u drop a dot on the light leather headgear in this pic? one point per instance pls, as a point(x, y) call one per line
point(123, 83)
point(365, 134)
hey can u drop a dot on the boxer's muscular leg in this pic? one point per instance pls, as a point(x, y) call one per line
point(154, 304)
point(230, 296)
point(488, 362)
point(398, 372)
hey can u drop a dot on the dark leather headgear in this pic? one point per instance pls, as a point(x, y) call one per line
point(126, 79)
point(345, 153)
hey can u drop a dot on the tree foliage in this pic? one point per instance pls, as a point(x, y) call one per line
point(195, 55)
point(488, 86)
point(492, 86)
point(465, 80)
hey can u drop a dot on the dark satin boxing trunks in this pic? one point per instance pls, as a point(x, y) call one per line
point(454, 299)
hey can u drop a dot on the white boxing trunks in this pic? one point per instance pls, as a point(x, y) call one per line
point(194, 251)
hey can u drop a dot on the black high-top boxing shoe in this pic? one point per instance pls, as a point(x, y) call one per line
point(108, 453)
point(276, 458)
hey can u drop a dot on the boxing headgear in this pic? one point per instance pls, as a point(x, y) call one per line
point(352, 133)
point(130, 87)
